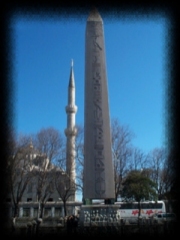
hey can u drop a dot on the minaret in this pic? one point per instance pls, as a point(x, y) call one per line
point(71, 130)
point(98, 166)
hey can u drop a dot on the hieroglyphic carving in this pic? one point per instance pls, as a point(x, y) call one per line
point(95, 31)
point(96, 61)
point(96, 44)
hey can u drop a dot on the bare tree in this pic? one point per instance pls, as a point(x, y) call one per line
point(160, 173)
point(79, 158)
point(50, 144)
point(43, 181)
point(121, 152)
point(19, 169)
point(64, 186)
point(139, 160)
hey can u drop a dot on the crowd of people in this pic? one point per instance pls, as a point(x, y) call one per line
point(71, 224)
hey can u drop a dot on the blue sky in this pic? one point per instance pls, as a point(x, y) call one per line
point(136, 71)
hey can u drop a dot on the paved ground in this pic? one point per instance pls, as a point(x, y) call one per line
point(123, 230)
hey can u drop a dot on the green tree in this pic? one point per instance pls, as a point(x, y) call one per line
point(137, 187)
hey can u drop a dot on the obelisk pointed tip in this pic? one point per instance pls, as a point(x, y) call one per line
point(94, 15)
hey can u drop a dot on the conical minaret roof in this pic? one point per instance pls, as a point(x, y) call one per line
point(94, 15)
point(71, 78)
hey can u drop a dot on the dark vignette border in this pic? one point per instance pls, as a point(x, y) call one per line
point(78, 8)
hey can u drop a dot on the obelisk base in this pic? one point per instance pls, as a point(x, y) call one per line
point(100, 215)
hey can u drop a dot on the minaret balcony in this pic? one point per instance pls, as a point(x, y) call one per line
point(70, 131)
point(71, 109)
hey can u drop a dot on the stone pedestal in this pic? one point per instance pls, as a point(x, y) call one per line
point(99, 215)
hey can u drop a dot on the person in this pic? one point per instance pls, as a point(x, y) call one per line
point(75, 224)
point(13, 224)
point(69, 224)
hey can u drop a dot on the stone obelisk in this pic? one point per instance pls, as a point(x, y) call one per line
point(71, 131)
point(98, 166)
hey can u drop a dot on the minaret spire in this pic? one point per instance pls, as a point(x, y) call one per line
point(71, 79)
point(71, 130)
